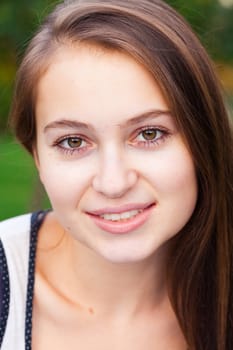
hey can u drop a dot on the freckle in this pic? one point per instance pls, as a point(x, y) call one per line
point(91, 311)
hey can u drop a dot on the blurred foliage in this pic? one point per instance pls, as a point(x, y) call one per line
point(20, 188)
point(212, 22)
point(18, 21)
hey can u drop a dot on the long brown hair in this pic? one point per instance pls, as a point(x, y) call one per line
point(200, 269)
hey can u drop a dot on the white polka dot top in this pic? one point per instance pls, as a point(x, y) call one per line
point(18, 238)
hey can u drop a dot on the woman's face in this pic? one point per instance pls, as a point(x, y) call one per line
point(109, 153)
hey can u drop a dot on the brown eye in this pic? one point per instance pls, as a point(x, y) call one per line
point(149, 134)
point(74, 142)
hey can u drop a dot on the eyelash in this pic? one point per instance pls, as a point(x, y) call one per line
point(152, 143)
point(142, 143)
point(71, 151)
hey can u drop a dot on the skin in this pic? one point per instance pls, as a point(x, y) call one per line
point(108, 163)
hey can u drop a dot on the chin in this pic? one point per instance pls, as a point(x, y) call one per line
point(119, 259)
point(124, 255)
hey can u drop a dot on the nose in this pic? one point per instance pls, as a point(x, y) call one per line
point(114, 177)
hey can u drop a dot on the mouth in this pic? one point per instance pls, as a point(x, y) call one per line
point(121, 220)
point(125, 216)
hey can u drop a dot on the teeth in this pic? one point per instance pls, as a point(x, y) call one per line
point(122, 216)
point(127, 215)
point(114, 217)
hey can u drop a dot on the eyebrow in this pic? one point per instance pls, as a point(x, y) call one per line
point(64, 123)
point(146, 115)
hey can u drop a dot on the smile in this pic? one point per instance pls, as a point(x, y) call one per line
point(119, 221)
point(122, 216)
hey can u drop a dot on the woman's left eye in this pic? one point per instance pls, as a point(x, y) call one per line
point(150, 136)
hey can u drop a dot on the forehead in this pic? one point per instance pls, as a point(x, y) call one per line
point(90, 82)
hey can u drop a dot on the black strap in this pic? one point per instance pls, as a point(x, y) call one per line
point(36, 221)
point(4, 292)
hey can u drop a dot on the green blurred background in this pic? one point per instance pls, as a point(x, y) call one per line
point(20, 189)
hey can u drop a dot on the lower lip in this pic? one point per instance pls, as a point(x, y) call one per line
point(124, 226)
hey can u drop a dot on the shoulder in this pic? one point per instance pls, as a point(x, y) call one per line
point(15, 235)
point(14, 259)
point(15, 241)
point(19, 225)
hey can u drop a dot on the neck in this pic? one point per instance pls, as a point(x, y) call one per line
point(115, 287)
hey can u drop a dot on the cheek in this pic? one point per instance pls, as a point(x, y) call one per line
point(172, 172)
point(173, 180)
point(65, 182)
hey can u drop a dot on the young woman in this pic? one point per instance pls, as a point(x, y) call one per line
point(119, 105)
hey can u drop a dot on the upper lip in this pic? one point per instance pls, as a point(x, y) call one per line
point(121, 209)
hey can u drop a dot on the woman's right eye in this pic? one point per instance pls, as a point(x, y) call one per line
point(72, 142)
